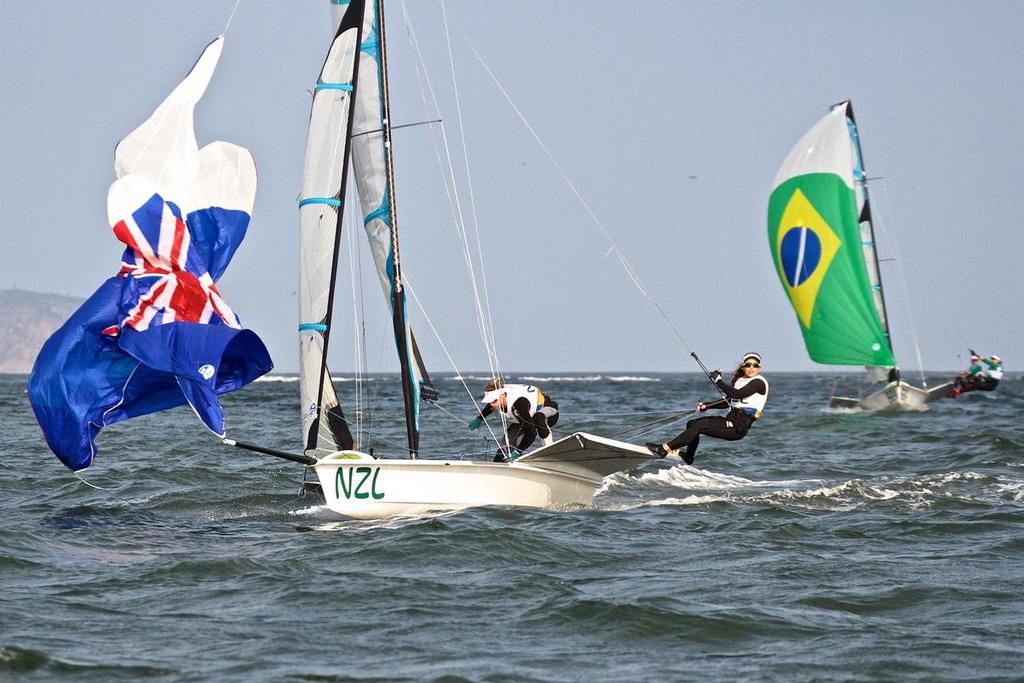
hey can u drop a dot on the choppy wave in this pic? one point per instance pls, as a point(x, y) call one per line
point(589, 378)
point(914, 492)
point(561, 378)
point(295, 378)
point(788, 555)
point(632, 378)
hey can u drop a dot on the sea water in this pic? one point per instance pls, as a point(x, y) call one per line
point(823, 546)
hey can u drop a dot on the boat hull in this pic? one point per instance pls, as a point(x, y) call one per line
point(894, 397)
point(566, 473)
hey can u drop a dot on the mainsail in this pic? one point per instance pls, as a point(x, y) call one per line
point(373, 166)
point(325, 429)
point(823, 246)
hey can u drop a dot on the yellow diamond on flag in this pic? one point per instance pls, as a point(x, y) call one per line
point(804, 248)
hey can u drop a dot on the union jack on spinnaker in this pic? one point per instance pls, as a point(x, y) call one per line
point(158, 334)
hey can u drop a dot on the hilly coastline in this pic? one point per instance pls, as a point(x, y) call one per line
point(27, 319)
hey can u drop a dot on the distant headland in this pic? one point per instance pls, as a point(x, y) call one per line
point(27, 319)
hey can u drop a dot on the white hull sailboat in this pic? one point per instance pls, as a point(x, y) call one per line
point(350, 121)
point(564, 474)
point(822, 238)
point(895, 397)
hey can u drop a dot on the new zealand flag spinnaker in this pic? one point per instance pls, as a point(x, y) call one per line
point(158, 334)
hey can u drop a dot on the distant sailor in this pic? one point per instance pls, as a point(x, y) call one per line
point(983, 374)
point(528, 411)
point(745, 396)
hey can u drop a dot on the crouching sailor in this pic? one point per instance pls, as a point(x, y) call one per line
point(526, 409)
point(745, 397)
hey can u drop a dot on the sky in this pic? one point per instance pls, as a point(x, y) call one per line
point(669, 118)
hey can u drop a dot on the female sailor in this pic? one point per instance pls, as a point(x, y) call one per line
point(528, 411)
point(745, 397)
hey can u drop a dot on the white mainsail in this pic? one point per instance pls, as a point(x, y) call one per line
point(323, 191)
point(374, 176)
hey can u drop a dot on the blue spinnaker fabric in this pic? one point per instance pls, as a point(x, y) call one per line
point(158, 334)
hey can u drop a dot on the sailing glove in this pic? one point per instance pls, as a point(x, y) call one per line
point(476, 422)
point(715, 376)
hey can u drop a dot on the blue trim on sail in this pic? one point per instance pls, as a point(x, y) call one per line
point(316, 327)
point(340, 2)
point(348, 87)
point(320, 200)
point(382, 213)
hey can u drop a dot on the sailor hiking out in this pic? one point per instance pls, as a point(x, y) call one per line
point(745, 397)
point(983, 374)
point(527, 410)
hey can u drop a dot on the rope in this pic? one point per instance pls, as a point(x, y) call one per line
point(891, 239)
point(451, 360)
point(484, 322)
point(230, 17)
point(614, 247)
point(90, 484)
point(451, 189)
point(669, 419)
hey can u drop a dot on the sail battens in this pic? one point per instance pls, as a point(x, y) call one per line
point(323, 190)
point(320, 200)
point(379, 214)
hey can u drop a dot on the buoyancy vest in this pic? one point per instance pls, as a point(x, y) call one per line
point(514, 392)
point(752, 404)
point(995, 373)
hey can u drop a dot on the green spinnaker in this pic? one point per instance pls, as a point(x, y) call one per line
point(816, 243)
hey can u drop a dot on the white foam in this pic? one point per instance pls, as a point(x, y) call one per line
point(632, 378)
point(582, 378)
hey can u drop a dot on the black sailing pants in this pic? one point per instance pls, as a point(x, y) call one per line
point(732, 427)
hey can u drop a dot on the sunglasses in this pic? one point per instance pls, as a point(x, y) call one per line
point(751, 365)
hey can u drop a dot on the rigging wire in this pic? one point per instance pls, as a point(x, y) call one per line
point(231, 16)
point(481, 305)
point(356, 284)
point(452, 190)
point(614, 247)
point(452, 360)
point(891, 239)
point(469, 183)
point(660, 422)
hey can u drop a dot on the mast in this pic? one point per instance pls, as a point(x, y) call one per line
point(410, 387)
point(373, 170)
point(325, 177)
point(866, 217)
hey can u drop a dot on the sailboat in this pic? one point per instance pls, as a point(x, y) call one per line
point(822, 240)
point(350, 122)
